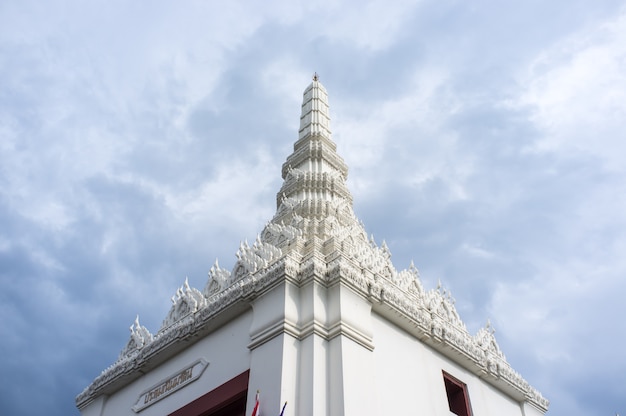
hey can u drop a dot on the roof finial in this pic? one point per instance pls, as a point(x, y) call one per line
point(315, 77)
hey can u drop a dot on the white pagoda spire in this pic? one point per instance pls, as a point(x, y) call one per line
point(314, 173)
point(315, 117)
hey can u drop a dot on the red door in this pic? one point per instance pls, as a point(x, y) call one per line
point(229, 399)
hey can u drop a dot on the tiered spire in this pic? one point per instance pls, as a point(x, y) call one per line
point(314, 172)
point(315, 117)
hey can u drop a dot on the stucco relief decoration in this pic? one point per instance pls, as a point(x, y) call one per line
point(279, 234)
point(255, 258)
point(495, 361)
point(486, 340)
point(366, 254)
point(409, 280)
point(292, 176)
point(219, 279)
point(247, 261)
point(349, 235)
point(186, 301)
point(441, 303)
point(139, 336)
point(386, 268)
point(266, 251)
point(287, 204)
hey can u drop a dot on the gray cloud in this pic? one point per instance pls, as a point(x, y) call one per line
point(138, 145)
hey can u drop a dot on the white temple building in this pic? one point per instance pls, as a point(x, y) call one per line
point(314, 314)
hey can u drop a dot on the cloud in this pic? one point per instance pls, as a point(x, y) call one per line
point(140, 142)
point(373, 25)
point(577, 90)
point(572, 93)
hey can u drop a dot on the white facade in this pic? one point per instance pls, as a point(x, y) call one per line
point(315, 314)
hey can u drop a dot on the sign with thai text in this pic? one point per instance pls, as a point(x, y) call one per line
point(171, 384)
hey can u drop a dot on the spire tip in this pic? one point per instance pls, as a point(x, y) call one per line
point(315, 76)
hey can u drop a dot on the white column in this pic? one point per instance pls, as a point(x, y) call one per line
point(274, 349)
point(351, 375)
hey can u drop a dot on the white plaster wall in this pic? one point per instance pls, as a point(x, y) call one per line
point(312, 368)
point(95, 408)
point(273, 372)
point(530, 410)
point(352, 389)
point(318, 377)
point(312, 378)
point(225, 350)
point(274, 362)
point(408, 376)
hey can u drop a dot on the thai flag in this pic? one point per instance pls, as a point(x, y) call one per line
point(255, 411)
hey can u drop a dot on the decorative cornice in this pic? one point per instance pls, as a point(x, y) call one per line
point(266, 334)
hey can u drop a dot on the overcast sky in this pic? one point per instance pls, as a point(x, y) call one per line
point(141, 140)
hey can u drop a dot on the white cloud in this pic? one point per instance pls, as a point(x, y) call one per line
point(371, 25)
point(232, 197)
point(475, 250)
point(569, 311)
point(411, 127)
point(108, 194)
point(578, 91)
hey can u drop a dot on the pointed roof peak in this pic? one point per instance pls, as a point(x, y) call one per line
point(314, 172)
point(315, 115)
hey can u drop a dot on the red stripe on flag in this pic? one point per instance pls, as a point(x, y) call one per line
point(256, 406)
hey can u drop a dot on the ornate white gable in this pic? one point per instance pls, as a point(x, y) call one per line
point(185, 302)
point(139, 337)
point(315, 234)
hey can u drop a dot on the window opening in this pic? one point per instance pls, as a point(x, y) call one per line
point(458, 399)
